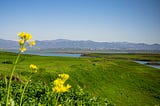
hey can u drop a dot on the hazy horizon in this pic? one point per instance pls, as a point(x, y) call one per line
point(135, 21)
point(88, 40)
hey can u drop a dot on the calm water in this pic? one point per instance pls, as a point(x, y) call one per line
point(145, 63)
point(45, 53)
point(55, 54)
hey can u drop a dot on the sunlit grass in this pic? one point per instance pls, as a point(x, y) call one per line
point(17, 87)
point(122, 81)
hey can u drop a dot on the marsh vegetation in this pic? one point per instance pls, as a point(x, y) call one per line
point(112, 76)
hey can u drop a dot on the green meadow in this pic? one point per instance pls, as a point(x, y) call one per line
point(112, 76)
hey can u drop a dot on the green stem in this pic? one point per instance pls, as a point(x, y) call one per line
point(10, 80)
point(25, 86)
point(57, 100)
point(6, 82)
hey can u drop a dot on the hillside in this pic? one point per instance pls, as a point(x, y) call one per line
point(91, 45)
point(116, 77)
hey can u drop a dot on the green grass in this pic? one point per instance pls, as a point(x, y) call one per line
point(114, 76)
point(127, 56)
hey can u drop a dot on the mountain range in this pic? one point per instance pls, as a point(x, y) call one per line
point(74, 44)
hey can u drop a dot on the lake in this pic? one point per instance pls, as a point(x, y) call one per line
point(145, 63)
point(55, 54)
point(47, 53)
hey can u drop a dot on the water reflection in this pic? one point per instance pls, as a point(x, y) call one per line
point(146, 63)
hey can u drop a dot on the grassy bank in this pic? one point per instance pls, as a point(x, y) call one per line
point(114, 76)
point(126, 56)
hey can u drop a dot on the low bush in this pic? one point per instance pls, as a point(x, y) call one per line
point(39, 94)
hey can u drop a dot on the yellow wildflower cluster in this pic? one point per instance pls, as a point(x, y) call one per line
point(32, 43)
point(25, 37)
point(33, 68)
point(59, 83)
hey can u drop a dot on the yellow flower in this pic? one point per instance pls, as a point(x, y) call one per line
point(33, 68)
point(28, 36)
point(61, 88)
point(56, 89)
point(21, 42)
point(25, 36)
point(59, 83)
point(32, 43)
point(21, 34)
point(68, 86)
point(22, 49)
point(64, 76)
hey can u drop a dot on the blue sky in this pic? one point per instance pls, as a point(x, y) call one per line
point(98, 20)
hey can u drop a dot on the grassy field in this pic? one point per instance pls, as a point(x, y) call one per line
point(114, 76)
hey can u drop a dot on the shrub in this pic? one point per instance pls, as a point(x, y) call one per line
point(7, 62)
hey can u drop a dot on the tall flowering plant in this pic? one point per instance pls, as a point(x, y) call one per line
point(24, 38)
point(59, 83)
point(59, 86)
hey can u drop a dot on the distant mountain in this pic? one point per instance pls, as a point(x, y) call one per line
point(8, 44)
point(92, 45)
